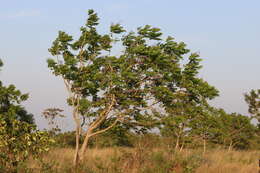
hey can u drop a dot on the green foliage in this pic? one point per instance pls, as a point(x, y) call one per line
point(147, 77)
point(10, 99)
point(117, 136)
point(235, 130)
point(218, 127)
point(19, 140)
point(206, 124)
point(65, 139)
point(253, 101)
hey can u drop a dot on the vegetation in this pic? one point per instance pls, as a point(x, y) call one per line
point(19, 138)
point(143, 110)
point(145, 158)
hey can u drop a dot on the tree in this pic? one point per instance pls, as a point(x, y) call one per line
point(177, 123)
point(204, 126)
point(10, 99)
point(253, 101)
point(187, 102)
point(127, 88)
point(240, 131)
point(232, 130)
point(51, 114)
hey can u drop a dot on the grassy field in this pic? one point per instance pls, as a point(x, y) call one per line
point(156, 160)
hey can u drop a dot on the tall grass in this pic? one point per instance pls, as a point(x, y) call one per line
point(142, 159)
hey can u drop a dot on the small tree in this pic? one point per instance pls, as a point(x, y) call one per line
point(204, 126)
point(177, 122)
point(232, 130)
point(253, 101)
point(146, 78)
point(51, 114)
point(242, 132)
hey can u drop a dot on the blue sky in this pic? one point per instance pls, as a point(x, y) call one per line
point(226, 33)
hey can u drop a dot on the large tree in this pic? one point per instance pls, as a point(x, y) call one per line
point(146, 77)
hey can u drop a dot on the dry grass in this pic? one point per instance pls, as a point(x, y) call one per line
point(221, 161)
point(145, 160)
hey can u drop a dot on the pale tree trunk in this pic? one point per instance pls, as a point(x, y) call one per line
point(84, 147)
point(89, 134)
point(77, 134)
point(230, 146)
point(182, 145)
point(80, 151)
point(177, 146)
point(76, 154)
point(177, 143)
point(204, 146)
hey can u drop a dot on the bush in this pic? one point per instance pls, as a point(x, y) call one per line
point(18, 141)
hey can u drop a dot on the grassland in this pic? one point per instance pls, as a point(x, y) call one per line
point(145, 160)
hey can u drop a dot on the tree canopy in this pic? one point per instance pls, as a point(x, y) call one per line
point(147, 76)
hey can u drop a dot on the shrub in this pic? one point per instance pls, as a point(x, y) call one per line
point(18, 141)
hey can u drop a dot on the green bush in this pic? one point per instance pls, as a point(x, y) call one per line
point(18, 141)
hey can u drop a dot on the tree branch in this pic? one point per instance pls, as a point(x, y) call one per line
point(103, 115)
point(104, 130)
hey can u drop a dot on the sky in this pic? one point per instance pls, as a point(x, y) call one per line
point(225, 33)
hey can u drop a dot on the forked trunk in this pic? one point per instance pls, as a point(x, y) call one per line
point(230, 146)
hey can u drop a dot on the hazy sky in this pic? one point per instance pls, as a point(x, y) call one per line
point(225, 32)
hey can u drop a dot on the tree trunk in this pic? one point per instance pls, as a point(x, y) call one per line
point(83, 148)
point(78, 133)
point(76, 155)
point(204, 146)
point(230, 146)
point(182, 145)
point(177, 143)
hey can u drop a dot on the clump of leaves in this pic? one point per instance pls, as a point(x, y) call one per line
point(18, 141)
